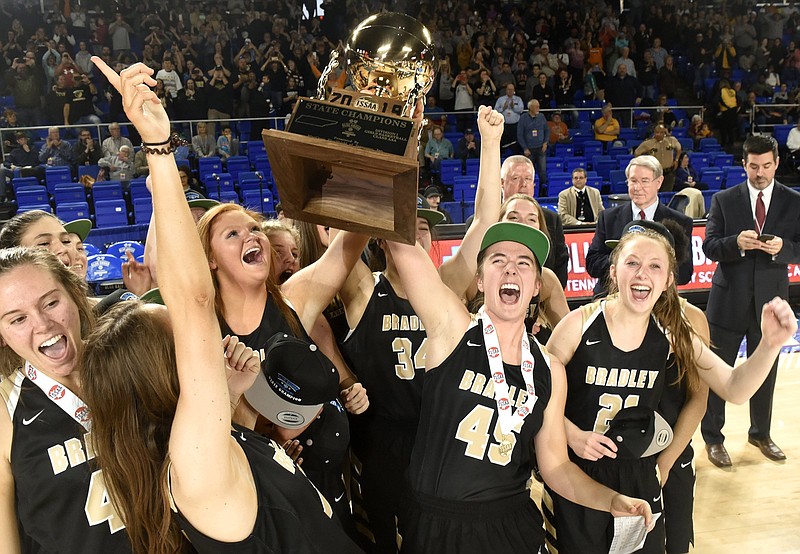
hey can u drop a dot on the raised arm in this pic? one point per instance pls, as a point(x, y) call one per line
point(206, 472)
point(312, 288)
point(459, 271)
point(444, 316)
point(738, 384)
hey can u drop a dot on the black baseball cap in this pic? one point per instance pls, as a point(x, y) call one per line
point(639, 432)
point(641, 226)
point(296, 379)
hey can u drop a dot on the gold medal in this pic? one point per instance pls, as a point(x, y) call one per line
point(506, 446)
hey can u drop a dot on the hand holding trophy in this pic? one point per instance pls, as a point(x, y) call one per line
point(348, 158)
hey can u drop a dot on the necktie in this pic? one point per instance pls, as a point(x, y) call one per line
point(761, 213)
point(641, 215)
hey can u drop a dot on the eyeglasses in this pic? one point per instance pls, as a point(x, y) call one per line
point(637, 182)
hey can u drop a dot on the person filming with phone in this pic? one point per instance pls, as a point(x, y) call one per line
point(753, 232)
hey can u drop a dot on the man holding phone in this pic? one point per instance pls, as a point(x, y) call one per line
point(753, 232)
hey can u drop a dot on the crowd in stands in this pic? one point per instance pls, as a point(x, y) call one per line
point(253, 59)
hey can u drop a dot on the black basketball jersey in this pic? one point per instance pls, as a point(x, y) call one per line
point(675, 394)
point(61, 499)
point(603, 379)
point(325, 445)
point(272, 321)
point(457, 454)
point(386, 350)
point(337, 319)
point(292, 515)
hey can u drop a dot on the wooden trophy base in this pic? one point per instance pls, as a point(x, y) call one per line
point(346, 187)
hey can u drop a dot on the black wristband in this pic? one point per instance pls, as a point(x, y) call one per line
point(163, 143)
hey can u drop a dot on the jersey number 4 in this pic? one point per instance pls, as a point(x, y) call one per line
point(98, 505)
point(407, 360)
point(610, 404)
point(474, 430)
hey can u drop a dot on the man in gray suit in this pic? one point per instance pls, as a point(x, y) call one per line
point(753, 232)
point(580, 204)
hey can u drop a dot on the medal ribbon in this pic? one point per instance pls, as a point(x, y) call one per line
point(507, 416)
point(60, 395)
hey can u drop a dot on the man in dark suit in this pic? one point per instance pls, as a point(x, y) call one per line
point(516, 177)
point(753, 232)
point(645, 176)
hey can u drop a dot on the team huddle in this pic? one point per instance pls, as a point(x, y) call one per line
point(222, 420)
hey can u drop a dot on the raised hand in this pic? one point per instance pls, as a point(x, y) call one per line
point(140, 103)
point(136, 276)
point(778, 322)
point(490, 124)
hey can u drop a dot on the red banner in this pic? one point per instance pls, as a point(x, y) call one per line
point(580, 284)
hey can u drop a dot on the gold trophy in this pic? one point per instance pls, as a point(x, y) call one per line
point(348, 158)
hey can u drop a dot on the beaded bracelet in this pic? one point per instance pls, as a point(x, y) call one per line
point(172, 143)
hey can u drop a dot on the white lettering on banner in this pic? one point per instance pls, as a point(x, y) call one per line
point(698, 256)
point(581, 285)
point(577, 259)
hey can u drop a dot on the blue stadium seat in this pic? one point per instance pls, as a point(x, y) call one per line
point(781, 133)
point(110, 213)
point(120, 248)
point(616, 151)
point(712, 176)
point(209, 165)
point(69, 193)
point(449, 170)
point(225, 196)
point(91, 170)
point(455, 211)
point(237, 164)
point(699, 160)
point(258, 201)
point(473, 166)
point(558, 182)
point(107, 190)
point(32, 196)
point(592, 148)
point(91, 249)
point(687, 144)
point(57, 175)
point(19, 182)
point(142, 210)
point(103, 268)
point(138, 189)
point(221, 181)
point(69, 211)
point(710, 144)
point(619, 183)
point(721, 159)
point(734, 175)
point(255, 149)
point(563, 150)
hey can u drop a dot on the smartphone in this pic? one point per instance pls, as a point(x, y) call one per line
point(765, 237)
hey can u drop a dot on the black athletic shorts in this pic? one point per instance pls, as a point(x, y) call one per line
point(574, 529)
point(679, 503)
point(445, 526)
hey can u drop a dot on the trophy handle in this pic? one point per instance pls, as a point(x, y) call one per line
point(322, 84)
